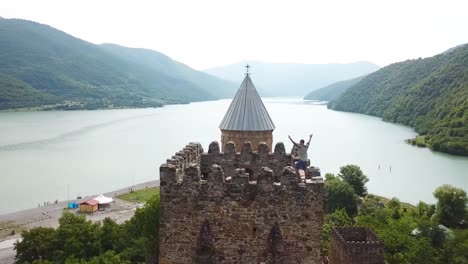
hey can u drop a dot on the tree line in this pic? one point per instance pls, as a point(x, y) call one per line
point(425, 233)
point(80, 241)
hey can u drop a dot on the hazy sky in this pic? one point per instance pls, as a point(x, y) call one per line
point(205, 33)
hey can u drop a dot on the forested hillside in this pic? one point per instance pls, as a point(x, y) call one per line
point(332, 91)
point(16, 93)
point(429, 94)
point(158, 62)
point(41, 65)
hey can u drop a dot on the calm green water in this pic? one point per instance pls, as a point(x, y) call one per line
point(98, 151)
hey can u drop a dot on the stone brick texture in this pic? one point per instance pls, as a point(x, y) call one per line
point(239, 207)
point(239, 137)
point(355, 245)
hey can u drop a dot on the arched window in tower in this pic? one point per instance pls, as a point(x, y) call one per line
point(275, 249)
point(205, 253)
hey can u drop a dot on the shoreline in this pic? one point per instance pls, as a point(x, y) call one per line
point(12, 224)
point(14, 216)
point(49, 108)
point(31, 216)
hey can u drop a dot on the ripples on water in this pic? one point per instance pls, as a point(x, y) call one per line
point(62, 137)
point(98, 151)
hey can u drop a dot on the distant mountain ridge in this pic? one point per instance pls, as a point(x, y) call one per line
point(48, 66)
point(292, 79)
point(159, 62)
point(428, 94)
point(332, 91)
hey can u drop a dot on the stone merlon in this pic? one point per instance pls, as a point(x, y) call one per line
point(241, 207)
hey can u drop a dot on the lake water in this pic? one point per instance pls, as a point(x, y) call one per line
point(41, 153)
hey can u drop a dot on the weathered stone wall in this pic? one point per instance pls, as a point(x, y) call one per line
point(239, 137)
point(252, 161)
point(220, 217)
point(355, 245)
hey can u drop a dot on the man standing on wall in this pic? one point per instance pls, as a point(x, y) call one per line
point(302, 148)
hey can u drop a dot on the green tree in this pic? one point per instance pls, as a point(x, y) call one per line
point(79, 241)
point(78, 237)
point(339, 218)
point(36, 244)
point(108, 257)
point(144, 229)
point(451, 205)
point(394, 203)
point(373, 206)
point(455, 251)
point(425, 209)
point(40, 261)
point(110, 234)
point(330, 176)
point(339, 194)
point(73, 260)
point(336, 219)
point(353, 175)
point(400, 246)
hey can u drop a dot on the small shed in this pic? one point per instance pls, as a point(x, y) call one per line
point(89, 206)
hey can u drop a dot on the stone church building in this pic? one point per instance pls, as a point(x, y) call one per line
point(242, 202)
point(247, 119)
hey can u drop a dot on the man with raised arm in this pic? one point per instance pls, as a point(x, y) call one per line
point(302, 148)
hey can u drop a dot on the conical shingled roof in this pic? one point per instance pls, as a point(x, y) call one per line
point(247, 112)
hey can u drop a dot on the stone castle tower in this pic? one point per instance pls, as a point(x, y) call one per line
point(239, 207)
point(247, 119)
point(243, 203)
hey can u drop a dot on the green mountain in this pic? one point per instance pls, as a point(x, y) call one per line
point(428, 94)
point(158, 62)
point(332, 91)
point(41, 65)
point(16, 93)
point(292, 79)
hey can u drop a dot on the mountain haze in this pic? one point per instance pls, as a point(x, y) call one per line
point(428, 94)
point(48, 66)
point(292, 79)
point(332, 91)
point(161, 63)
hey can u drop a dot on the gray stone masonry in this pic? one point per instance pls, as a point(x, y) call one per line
point(355, 245)
point(244, 207)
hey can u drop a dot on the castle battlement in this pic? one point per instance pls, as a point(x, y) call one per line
point(353, 245)
point(236, 170)
point(239, 207)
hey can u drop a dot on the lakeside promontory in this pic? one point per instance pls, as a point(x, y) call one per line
point(428, 94)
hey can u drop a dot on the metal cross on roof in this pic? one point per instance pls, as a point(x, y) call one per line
point(247, 69)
